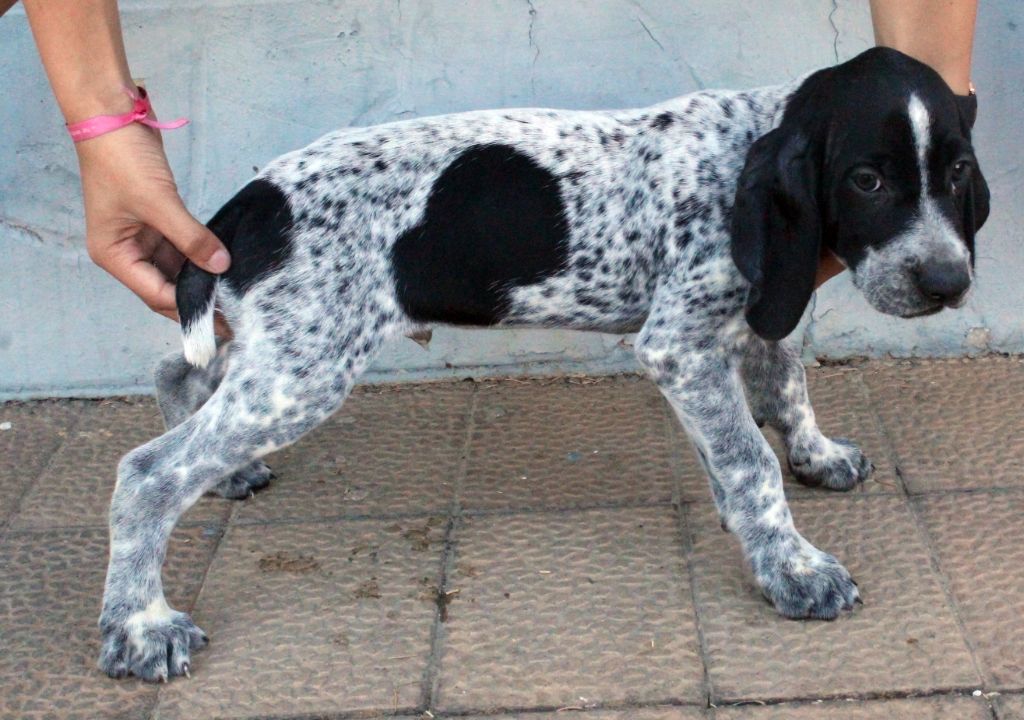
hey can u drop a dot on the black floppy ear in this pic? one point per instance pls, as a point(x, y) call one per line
point(976, 200)
point(975, 211)
point(776, 229)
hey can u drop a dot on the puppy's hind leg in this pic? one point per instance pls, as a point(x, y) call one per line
point(776, 386)
point(270, 396)
point(181, 389)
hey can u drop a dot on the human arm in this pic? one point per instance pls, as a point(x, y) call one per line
point(939, 33)
point(137, 227)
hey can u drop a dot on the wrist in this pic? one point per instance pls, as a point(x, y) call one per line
point(105, 98)
point(112, 146)
point(959, 82)
point(141, 113)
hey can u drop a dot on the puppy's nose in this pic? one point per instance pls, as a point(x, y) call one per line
point(944, 282)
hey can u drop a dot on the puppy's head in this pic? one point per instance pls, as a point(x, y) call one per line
point(873, 161)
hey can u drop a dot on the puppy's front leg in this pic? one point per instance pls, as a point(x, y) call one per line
point(700, 377)
point(777, 392)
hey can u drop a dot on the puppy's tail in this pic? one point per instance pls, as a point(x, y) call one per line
point(196, 294)
point(255, 227)
point(196, 291)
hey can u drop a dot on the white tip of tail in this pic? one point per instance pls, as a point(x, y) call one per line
point(198, 338)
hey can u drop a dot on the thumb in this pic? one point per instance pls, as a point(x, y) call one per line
point(193, 239)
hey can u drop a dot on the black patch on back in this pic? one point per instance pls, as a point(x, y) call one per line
point(254, 226)
point(494, 220)
point(663, 121)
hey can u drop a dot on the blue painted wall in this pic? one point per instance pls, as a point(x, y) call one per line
point(261, 78)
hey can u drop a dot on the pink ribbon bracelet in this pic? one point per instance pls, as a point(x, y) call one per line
point(102, 124)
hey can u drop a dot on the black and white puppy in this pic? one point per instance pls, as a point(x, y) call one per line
point(698, 222)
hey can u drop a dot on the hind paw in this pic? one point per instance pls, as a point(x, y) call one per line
point(837, 465)
point(245, 483)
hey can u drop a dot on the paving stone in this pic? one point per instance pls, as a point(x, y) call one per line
point(51, 588)
point(36, 430)
point(1010, 707)
point(843, 410)
point(75, 489)
point(660, 713)
point(555, 607)
point(979, 540)
point(903, 639)
point(954, 423)
point(314, 619)
point(566, 443)
point(388, 451)
point(939, 708)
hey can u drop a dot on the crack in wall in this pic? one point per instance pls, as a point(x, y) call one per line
point(649, 33)
point(533, 44)
point(698, 81)
point(807, 340)
point(19, 229)
point(835, 29)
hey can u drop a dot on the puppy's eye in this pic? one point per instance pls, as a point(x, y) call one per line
point(959, 174)
point(867, 181)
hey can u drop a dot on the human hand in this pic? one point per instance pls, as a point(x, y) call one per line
point(137, 227)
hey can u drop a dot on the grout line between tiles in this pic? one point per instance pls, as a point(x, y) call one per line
point(946, 492)
point(460, 480)
point(947, 588)
point(686, 536)
point(624, 707)
point(96, 527)
point(432, 672)
point(461, 513)
point(674, 451)
point(892, 456)
point(594, 710)
point(515, 511)
point(950, 692)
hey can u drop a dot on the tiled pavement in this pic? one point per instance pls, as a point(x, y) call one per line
point(512, 549)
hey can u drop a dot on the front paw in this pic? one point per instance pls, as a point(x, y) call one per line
point(245, 483)
point(834, 464)
point(812, 584)
point(151, 645)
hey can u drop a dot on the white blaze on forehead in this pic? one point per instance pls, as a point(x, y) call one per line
point(932, 223)
point(919, 122)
